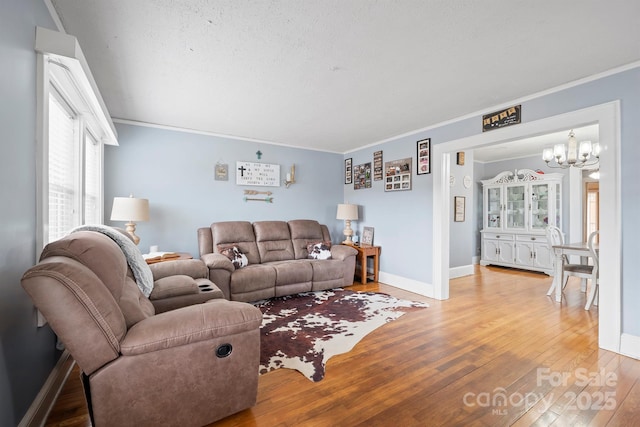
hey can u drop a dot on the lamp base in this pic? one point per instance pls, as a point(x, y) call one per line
point(348, 232)
point(131, 229)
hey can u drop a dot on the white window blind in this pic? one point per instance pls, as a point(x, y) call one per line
point(62, 168)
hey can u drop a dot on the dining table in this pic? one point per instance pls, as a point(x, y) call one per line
point(580, 249)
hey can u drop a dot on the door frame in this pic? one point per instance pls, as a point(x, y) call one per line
point(607, 116)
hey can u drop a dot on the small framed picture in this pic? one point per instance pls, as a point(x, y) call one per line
point(348, 173)
point(222, 172)
point(460, 158)
point(367, 236)
point(458, 208)
point(424, 156)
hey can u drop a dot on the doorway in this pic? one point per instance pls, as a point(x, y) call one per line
point(607, 116)
point(591, 206)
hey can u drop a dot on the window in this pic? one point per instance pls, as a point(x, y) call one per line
point(62, 166)
point(73, 126)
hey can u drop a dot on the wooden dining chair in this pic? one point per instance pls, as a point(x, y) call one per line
point(583, 271)
point(595, 274)
point(555, 237)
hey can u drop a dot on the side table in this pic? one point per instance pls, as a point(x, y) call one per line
point(181, 255)
point(364, 252)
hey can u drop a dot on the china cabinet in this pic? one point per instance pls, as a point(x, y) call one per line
point(517, 207)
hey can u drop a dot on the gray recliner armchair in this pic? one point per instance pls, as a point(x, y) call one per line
point(185, 367)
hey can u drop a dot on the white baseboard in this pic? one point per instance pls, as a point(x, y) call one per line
point(420, 288)
point(475, 260)
point(465, 270)
point(630, 345)
point(41, 406)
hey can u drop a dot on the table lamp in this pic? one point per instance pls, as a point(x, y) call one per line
point(130, 209)
point(347, 213)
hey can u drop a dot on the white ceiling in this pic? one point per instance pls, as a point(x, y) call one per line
point(337, 75)
point(533, 146)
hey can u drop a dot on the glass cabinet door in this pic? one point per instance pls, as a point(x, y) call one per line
point(540, 205)
point(494, 207)
point(516, 206)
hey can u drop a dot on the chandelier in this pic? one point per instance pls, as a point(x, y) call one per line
point(586, 154)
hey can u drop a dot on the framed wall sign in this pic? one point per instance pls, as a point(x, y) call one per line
point(377, 165)
point(362, 176)
point(252, 173)
point(499, 119)
point(424, 156)
point(348, 172)
point(222, 172)
point(460, 158)
point(458, 208)
point(398, 175)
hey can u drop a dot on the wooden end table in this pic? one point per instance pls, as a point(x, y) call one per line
point(181, 255)
point(364, 252)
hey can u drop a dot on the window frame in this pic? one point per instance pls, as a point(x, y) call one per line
point(62, 72)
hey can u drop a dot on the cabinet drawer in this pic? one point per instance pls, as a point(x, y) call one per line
point(501, 236)
point(531, 238)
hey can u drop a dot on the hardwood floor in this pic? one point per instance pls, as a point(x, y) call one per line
point(498, 338)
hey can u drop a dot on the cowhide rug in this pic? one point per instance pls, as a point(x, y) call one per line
point(303, 331)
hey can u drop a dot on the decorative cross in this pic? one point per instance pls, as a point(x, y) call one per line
point(259, 154)
point(242, 169)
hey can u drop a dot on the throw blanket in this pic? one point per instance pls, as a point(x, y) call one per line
point(139, 267)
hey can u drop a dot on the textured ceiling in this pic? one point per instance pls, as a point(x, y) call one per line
point(337, 75)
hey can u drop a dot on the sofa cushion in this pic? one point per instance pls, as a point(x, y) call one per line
point(106, 260)
point(237, 233)
point(237, 258)
point(327, 274)
point(319, 250)
point(255, 277)
point(274, 241)
point(303, 232)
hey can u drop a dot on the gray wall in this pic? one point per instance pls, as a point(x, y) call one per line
point(403, 221)
point(147, 157)
point(175, 171)
point(460, 256)
point(27, 354)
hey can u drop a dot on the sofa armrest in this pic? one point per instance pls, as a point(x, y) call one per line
point(342, 252)
point(201, 322)
point(213, 261)
point(187, 267)
point(173, 286)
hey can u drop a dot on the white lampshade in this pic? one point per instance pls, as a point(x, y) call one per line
point(347, 211)
point(130, 209)
point(547, 154)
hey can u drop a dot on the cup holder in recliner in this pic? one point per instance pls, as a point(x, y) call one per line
point(224, 350)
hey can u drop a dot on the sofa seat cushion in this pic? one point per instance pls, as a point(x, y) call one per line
point(292, 277)
point(254, 277)
point(327, 274)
